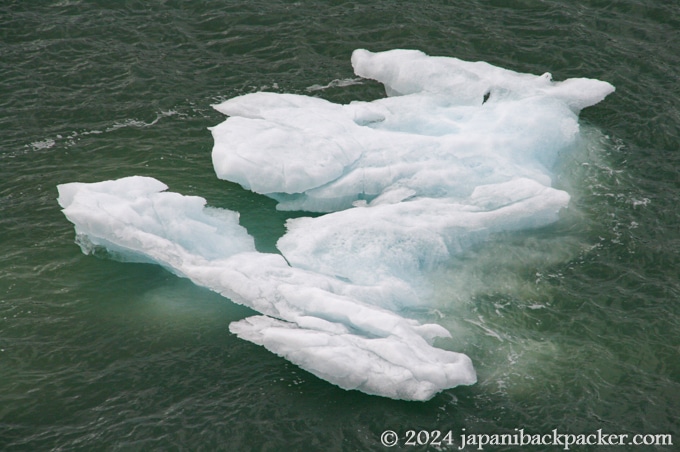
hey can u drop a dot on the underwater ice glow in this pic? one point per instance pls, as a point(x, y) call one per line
point(457, 151)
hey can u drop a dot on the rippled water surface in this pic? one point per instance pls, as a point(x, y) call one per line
point(574, 327)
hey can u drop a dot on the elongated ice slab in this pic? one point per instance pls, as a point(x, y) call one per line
point(329, 327)
point(457, 151)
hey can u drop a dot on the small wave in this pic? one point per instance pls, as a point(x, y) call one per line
point(43, 144)
point(337, 83)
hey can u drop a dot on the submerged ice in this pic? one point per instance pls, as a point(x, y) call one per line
point(457, 151)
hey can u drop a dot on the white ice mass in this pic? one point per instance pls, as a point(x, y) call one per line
point(457, 151)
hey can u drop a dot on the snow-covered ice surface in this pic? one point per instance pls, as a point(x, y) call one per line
point(457, 151)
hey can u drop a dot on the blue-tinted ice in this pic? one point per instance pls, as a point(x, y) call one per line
point(457, 151)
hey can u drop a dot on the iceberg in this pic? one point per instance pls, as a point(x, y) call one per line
point(447, 127)
point(455, 152)
point(334, 329)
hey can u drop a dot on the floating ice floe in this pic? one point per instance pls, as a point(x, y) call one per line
point(457, 151)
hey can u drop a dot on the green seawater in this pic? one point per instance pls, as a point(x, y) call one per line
point(574, 327)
